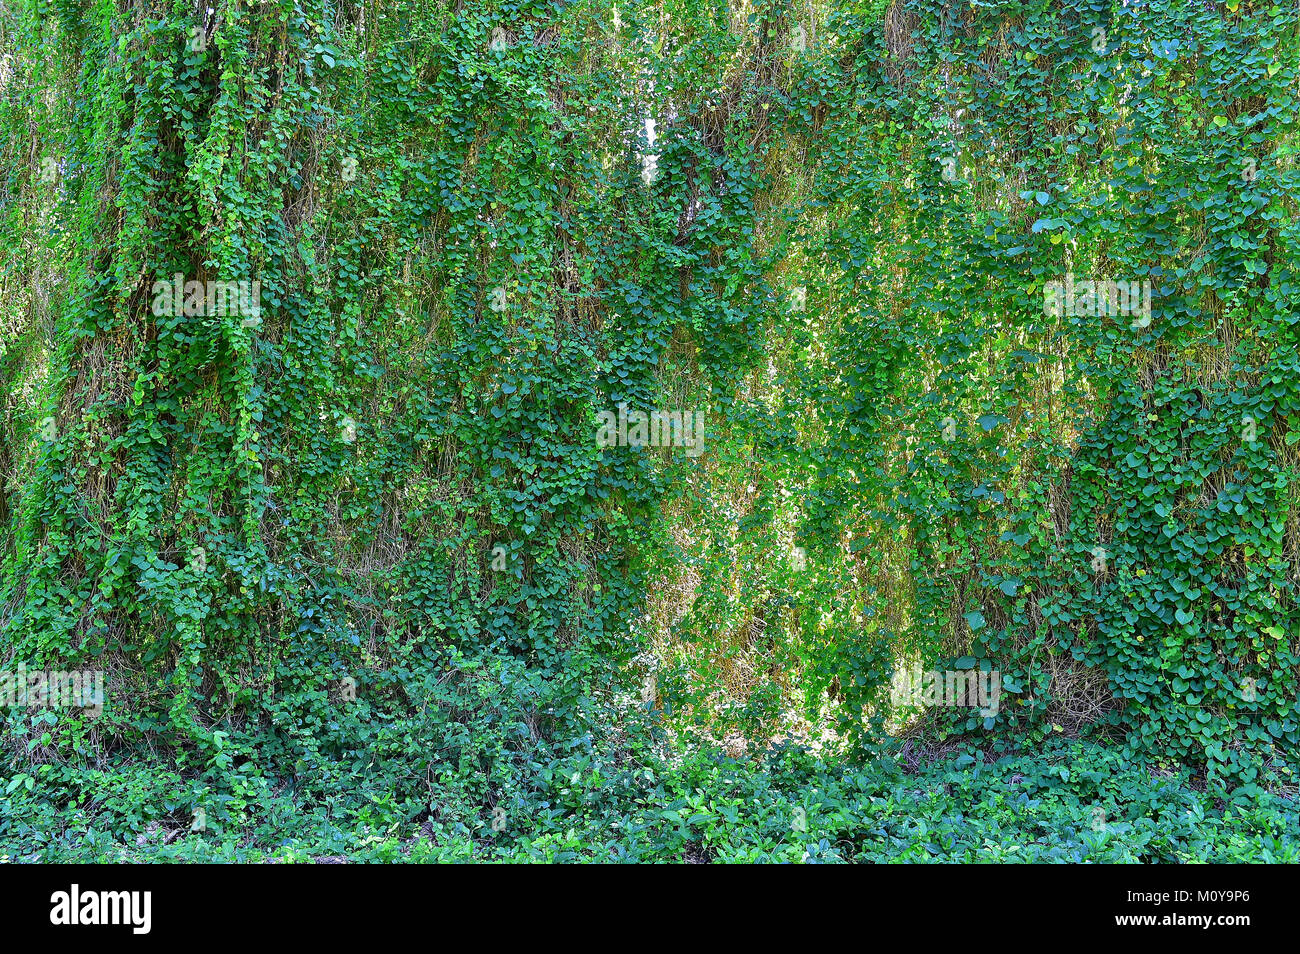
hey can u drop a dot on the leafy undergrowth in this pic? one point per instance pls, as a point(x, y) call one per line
point(1074, 803)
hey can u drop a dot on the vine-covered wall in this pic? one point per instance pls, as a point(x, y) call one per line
point(312, 313)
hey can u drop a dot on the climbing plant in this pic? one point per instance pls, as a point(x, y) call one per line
point(312, 312)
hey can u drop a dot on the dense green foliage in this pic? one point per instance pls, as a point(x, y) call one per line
point(1078, 805)
point(365, 550)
